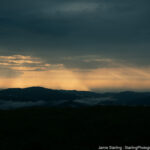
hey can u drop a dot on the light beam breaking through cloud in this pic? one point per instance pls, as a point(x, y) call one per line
point(113, 75)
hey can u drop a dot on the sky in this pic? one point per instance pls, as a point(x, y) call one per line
point(94, 45)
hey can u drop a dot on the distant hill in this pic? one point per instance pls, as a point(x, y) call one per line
point(39, 96)
point(40, 93)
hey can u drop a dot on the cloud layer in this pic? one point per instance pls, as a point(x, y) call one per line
point(25, 63)
point(75, 44)
point(51, 29)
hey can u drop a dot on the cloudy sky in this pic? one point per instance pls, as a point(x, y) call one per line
point(100, 45)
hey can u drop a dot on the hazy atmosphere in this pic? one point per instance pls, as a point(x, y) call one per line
point(99, 45)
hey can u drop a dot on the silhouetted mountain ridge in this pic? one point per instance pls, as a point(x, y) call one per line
point(39, 96)
point(40, 93)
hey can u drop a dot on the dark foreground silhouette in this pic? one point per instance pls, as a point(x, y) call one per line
point(73, 128)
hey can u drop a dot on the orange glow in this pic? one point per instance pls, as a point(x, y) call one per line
point(106, 78)
point(31, 71)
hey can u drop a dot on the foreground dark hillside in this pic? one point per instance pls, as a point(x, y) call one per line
point(73, 129)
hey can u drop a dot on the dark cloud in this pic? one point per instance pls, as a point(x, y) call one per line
point(54, 29)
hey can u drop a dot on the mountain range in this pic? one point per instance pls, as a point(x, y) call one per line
point(39, 96)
